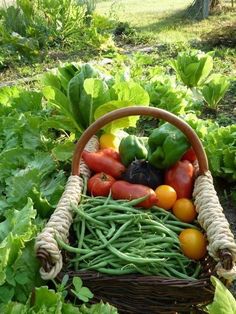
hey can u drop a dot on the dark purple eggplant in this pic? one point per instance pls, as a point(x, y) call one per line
point(141, 172)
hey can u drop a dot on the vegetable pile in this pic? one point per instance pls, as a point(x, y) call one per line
point(116, 238)
point(125, 224)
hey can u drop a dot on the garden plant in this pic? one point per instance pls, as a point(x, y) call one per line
point(63, 66)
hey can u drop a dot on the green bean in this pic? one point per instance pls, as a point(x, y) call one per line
point(87, 217)
point(121, 217)
point(182, 267)
point(81, 238)
point(120, 207)
point(136, 201)
point(179, 274)
point(181, 224)
point(71, 248)
point(115, 271)
point(111, 230)
point(115, 236)
point(174, 228)
point(197, 271)
point(125, 256)
point(106, 255)
point(91, 230)
point(101, 264)
point(160, 227)
point(88, 255)
point(123, 246)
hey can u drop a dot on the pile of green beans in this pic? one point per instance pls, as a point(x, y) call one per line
point(116, 238)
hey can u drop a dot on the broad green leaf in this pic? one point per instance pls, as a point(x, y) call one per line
point(85, 292)
point(77, 282)
point(13, 308)
point(21, 278)
point(64, 151)
point(99, 308)
point(47, 297)
point(99, 94)
point(131, 92)
point(65, 75)
point(95, 87)
point(6, 294)
point(74, 90)
point(53, 187)
point(59, 122)
point(193, 67)
point(214, 90)
point(44, 208)
point(224, 302)
point(20, 230)
point(119, 123)
point(57, 97)
point(68, 308)
point(50, 79)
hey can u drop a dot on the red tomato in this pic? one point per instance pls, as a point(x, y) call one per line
point(100, 184)
point(128, 191)
point(99, 162)
point(189, 155)
point(181, 177)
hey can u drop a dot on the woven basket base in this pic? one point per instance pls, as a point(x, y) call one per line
point(138, 294)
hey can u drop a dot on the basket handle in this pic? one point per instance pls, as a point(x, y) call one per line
point(146, 111)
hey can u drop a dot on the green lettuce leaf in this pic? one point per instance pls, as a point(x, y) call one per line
point(193, 67)
point(214, 90)
point(127, 94)
point(224, 302)
point(18, 228)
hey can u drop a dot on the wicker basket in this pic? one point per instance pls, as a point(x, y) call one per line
point(139, 293)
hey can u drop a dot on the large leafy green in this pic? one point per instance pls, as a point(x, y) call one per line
point(193, 67)
point(224, 302)
point(18, 264)
point(126, 94)
point(214, 90)
point(45, 300)
point(220, 145)
point(86, 91)
point(165, 94)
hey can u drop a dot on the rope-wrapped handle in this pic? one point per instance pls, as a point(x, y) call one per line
point(223, 250)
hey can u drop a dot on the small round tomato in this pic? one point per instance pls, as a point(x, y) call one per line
point(193, 243)
point(184, 210)
point(166, 196)
point(100, 184)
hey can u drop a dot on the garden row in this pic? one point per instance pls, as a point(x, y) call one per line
point(38, 130)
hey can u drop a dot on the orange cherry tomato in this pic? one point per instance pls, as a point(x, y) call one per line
point(184, 210)
point(166, 196)
point(193, 243)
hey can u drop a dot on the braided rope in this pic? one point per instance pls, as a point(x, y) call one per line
point(213, 220)
point(60, 221)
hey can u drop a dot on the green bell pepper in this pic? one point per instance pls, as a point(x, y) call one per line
point(167, 145)
point(131, 148)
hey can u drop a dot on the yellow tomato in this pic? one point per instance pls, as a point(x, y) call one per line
point(184, 210)
point(108, 140)
point(193, 243)
point(166, 196)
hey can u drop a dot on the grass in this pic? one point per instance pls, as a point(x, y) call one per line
point(164, 21)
